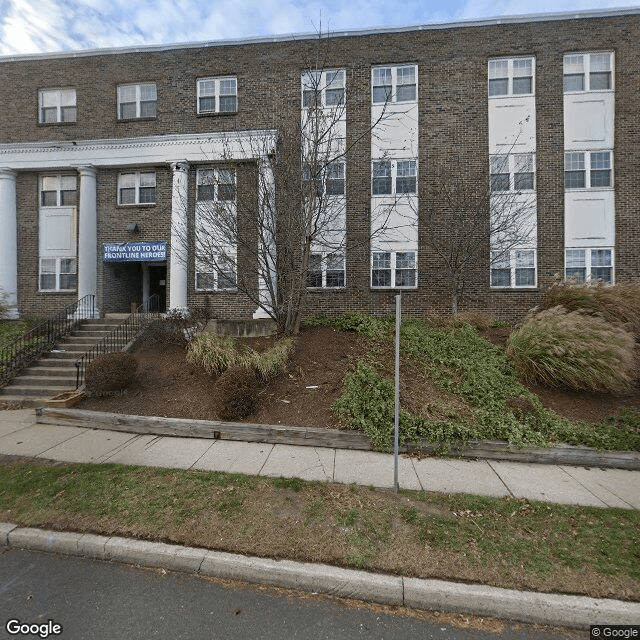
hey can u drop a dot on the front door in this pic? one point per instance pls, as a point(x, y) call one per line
point(158, 285)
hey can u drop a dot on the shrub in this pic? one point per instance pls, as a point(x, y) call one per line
point(478, 319)
point(110, 372)
point(617, 303)
point(271, 362)
point(237, 393)
point(573, 349)
point(212, 352)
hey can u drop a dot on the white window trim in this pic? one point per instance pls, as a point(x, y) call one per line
point(394, 177)
point(217, 95)
point(394, 83)
point(587, 169)
point(58, 106)
point(217, 182)
point(513, 268)
point(587, 71)
point(323, 268)
point(511, 170)
point(587, 262)
point(202, 269)
point(393, 266)
point(59, 179)
point(58, 273)
point(137, 187)
point(510, 77)
point(138, 101)
point(322, 87)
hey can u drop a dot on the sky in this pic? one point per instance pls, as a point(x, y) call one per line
point(38, 26)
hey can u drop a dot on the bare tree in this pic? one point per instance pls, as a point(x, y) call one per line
point(468, 213)
point(295, 237)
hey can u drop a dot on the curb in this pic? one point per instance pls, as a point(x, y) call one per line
point(519, 606)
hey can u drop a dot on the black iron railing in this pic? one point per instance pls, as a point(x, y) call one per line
point(117, 339)
point(23, 351)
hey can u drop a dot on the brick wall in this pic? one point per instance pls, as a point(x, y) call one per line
point(452, 65)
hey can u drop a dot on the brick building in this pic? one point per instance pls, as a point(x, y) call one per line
point(104, 154)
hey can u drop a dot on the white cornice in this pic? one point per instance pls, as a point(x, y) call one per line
point(130, 152)
point(519, 19)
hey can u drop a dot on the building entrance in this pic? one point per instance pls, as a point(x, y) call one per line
point(157, 275)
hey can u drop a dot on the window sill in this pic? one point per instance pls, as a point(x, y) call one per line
point(146, 119)
point(325, 289)
point(588, 189)
point(208, 114)
point(57, 124)
point(394, 288)
point(523, 288)
point(202, 291)
point(512, 95)
point(146, 205)
point(65, 292)
point(580, 93)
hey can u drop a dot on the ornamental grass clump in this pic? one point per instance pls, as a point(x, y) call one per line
point(618, 303)
point(212, 352)
point(574, 349)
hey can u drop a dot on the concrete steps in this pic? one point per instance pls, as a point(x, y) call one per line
point(55, 371)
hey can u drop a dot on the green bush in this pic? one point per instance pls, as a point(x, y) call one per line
point(110, 372)
point(617, 303)
point(237, 393)
point(573, 349)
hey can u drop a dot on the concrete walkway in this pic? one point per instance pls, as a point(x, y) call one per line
point(19, 435)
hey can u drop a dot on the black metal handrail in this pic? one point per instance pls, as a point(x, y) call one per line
point(21, 352)
point(119, 337)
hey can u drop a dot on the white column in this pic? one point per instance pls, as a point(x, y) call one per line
point(179, 237)
point(9, 241)
point(88, 238)
point(267, 278)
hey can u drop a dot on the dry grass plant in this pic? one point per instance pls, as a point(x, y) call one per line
point(562, 348)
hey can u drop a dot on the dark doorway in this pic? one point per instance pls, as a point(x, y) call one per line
point(158, 285)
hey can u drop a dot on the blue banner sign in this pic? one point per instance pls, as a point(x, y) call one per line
point(135, 252)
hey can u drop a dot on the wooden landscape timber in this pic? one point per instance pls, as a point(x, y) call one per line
point(332, 438)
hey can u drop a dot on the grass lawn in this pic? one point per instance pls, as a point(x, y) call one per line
point(503, 542)
point(11, 329)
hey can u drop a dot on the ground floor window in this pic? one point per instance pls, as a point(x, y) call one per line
point(217, 274)
point(395, 269)
point(513, 269)
point(58, 274)
point(326, 271)
point(585, 265)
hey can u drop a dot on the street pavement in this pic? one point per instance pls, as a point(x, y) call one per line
point(20, 435)
point(561, 484)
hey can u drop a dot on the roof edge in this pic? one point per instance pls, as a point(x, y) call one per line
point(505, 20)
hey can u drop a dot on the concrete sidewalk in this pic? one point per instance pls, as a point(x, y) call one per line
point(19, 435)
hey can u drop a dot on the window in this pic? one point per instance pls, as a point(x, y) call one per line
point(514, 268)
point(323, 88)
point(136, 101)
point(587, 170)
point(58, 191)
point(216, 184)
point(332, 185)
point(512, 172)
point(57, 105)
point(326, 270)
point(217, 275)
point(137, 188)
point(393, 269)
point(588, 72)
point(217, 95)
point(511, 76)
point(589, 264)
point(58, 274)
point(394, 84)
point(387, 174)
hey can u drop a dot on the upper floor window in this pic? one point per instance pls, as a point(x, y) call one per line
point(136, 101)
point(329, 181)
point(217, 274)
point(323, 88)
point(587, 169)
point(512, 172)
point(588, 72)
point(394, 84)
point(393, 176)
point(216, 184)
point(137, 188)
point(511, 76)
point(57, 105)
point(58, 191)
point(217, 95)
point(589, 264)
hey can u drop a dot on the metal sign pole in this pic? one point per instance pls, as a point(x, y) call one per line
point(396, 420)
